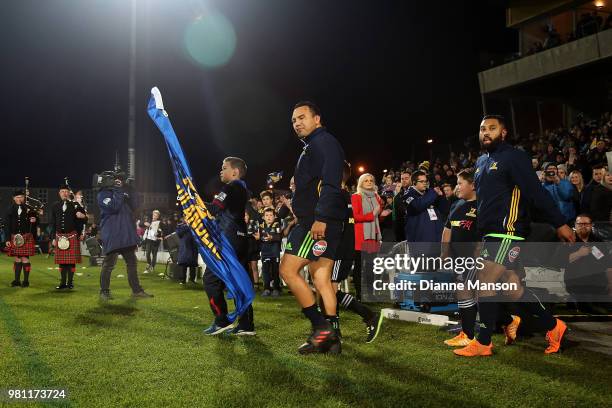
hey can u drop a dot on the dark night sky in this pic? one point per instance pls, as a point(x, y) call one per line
point(386, 74)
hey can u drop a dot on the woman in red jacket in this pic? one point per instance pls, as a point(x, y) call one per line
point(367, 211)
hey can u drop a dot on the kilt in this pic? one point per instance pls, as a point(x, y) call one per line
point(72, 255)
point(27, 249)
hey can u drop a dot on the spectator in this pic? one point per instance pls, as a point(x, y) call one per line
point(253, 245)
point(598, 173)
point(424, 209)
point(562, 171)
point(252, 208)
point(553, 38)
point(574, 161)
point(450, 197)
point(578, 183)
point(550, 155)
point(388, 184)
point(270, 236)
point(601, 200)
point(187, 254)
point(267, 201)
point(386, 224)
point(288, 219)
point(152, 237)
point(368, 212)
point(399, 210)
point(561, 192)
point(598, 154)
point(587, 275)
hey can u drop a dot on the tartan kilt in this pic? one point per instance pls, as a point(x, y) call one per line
point(27, 249)
point(72, 255)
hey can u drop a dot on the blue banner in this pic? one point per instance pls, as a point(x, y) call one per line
point(213, 245)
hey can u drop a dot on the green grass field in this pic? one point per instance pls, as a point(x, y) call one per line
point(151, 353)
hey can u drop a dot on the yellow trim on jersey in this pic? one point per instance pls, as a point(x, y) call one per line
point(514, 206)
point(319, 187)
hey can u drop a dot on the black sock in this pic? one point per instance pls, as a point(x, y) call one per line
point(531, 305)
point(64, 274)
point(315, 316)
point(17, 268)
point(70, 272)
point(488, 316)
point(26, 271)
point(350, 303)
point(468, 319)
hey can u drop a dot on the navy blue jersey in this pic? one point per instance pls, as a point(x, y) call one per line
point(271, 248)
point(318, 176)
point(228, 207)
point(506, 185)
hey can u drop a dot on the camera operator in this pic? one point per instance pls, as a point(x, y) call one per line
point(118, 232)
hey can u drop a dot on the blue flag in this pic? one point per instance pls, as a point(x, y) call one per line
point(213, 245)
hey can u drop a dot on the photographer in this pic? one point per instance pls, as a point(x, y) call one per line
point(116, 202)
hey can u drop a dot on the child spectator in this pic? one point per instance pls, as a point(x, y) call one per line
point(270, 236)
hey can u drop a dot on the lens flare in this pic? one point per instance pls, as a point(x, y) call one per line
point(210, 40)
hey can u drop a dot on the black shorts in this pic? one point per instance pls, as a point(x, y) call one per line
point(300, 242)
point(502, 249)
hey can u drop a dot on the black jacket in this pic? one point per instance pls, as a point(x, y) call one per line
point(506, 186)
point(65, 221)
point(318, 177)
point(20, 224)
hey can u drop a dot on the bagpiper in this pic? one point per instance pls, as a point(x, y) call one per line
point(21, 223)
point(66, 221)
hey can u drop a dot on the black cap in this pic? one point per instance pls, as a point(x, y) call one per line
point(18, 192)
point(64, 187)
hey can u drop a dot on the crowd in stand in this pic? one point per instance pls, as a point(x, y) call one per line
point(589, 23)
